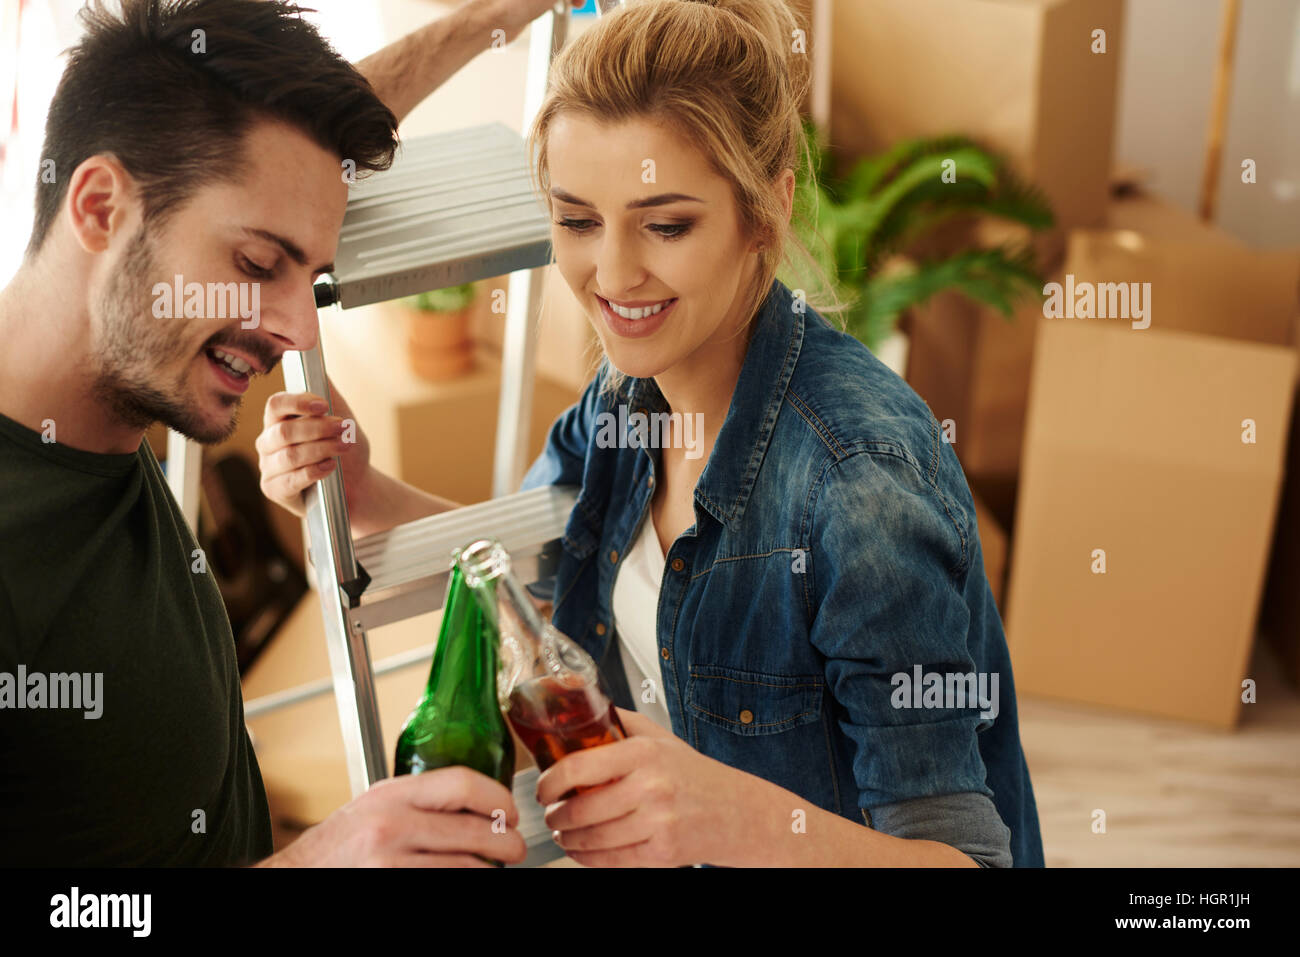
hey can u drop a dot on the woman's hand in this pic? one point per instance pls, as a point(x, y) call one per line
point(298, 445)
point(657, 802)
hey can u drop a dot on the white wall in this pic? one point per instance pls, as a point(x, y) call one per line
point(1166, 85)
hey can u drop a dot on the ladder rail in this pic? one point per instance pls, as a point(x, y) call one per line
point(518, 381)
point(339, 583)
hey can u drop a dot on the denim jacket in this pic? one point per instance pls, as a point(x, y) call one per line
point(832, 579)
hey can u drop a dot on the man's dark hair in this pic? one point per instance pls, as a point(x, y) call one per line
point(176, 119)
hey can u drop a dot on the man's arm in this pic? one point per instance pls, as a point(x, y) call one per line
point(407, 70)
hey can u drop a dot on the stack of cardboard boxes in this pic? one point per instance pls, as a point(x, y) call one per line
point(1151, 475)
point(1127, 435)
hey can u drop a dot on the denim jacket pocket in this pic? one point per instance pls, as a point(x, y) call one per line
point(750, 702)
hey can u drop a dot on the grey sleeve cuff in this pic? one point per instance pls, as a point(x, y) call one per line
point(967, 821)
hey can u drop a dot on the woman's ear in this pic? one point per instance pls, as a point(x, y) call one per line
point(786, 181)
point(784, 187)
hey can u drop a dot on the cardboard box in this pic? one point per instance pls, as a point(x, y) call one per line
point(1139, 210)
point(1134, 455)
point(1019, 76)
point(972, 365)
point(1280, 614)
point(1215, 288)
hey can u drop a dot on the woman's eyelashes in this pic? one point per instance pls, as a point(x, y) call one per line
point(668, 231)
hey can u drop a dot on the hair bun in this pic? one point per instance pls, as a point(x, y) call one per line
point(778, 25)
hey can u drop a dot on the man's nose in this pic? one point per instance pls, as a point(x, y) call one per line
point(292, 319)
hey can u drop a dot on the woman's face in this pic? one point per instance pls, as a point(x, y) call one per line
point(643, 223)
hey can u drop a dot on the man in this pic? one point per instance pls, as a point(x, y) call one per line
point(208, 140)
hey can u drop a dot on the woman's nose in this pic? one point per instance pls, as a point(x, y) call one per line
point(618, 268)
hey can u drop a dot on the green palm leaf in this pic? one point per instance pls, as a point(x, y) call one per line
point(997, 277)
point(888, 202)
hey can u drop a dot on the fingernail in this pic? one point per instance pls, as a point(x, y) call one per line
point(319, 406)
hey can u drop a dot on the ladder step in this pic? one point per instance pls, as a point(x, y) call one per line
point(408, 565)
point(453, 208)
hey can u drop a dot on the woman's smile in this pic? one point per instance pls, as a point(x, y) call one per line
point(618, 319)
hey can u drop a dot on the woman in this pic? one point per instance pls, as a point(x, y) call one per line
point(805, 581)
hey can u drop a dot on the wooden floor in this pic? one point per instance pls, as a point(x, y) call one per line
point(1174, 794)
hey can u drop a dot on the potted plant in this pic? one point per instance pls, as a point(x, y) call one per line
point(438, 332)
point(867, 230)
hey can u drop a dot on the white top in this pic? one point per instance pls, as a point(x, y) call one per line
point(636, 611)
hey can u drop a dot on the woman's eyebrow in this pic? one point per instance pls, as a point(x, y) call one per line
point(663, 199)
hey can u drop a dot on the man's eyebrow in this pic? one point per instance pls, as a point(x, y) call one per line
point(663, 199)
point(288, 245)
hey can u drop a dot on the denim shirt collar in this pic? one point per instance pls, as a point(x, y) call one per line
point(724, 486)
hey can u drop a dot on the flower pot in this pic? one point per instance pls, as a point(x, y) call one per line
point(439, 343)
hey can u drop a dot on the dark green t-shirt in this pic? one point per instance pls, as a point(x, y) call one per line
point(97, 577)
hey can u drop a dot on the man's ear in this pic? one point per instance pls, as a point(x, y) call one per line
point(101, 201)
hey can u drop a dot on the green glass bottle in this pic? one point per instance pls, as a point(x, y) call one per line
point(459, 719)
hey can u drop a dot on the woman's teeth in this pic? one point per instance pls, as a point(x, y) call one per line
point(640, 312)
point(234, 363)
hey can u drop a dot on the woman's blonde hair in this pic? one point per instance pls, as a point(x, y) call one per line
point(728, 77)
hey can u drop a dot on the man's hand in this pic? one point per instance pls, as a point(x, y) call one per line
point(410, 68)
point(451, 817)
point(514, 15)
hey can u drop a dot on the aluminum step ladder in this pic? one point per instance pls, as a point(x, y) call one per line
point(453, 208)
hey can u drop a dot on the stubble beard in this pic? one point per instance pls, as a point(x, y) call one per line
point(135, 348)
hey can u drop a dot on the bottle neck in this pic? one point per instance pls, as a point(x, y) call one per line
point(506, 603)
point(465, 659)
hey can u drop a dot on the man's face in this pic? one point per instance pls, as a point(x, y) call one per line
point(271, 234)
point(669, 254)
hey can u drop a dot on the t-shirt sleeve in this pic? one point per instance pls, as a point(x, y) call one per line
point(888, 560)
point(968, 822)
